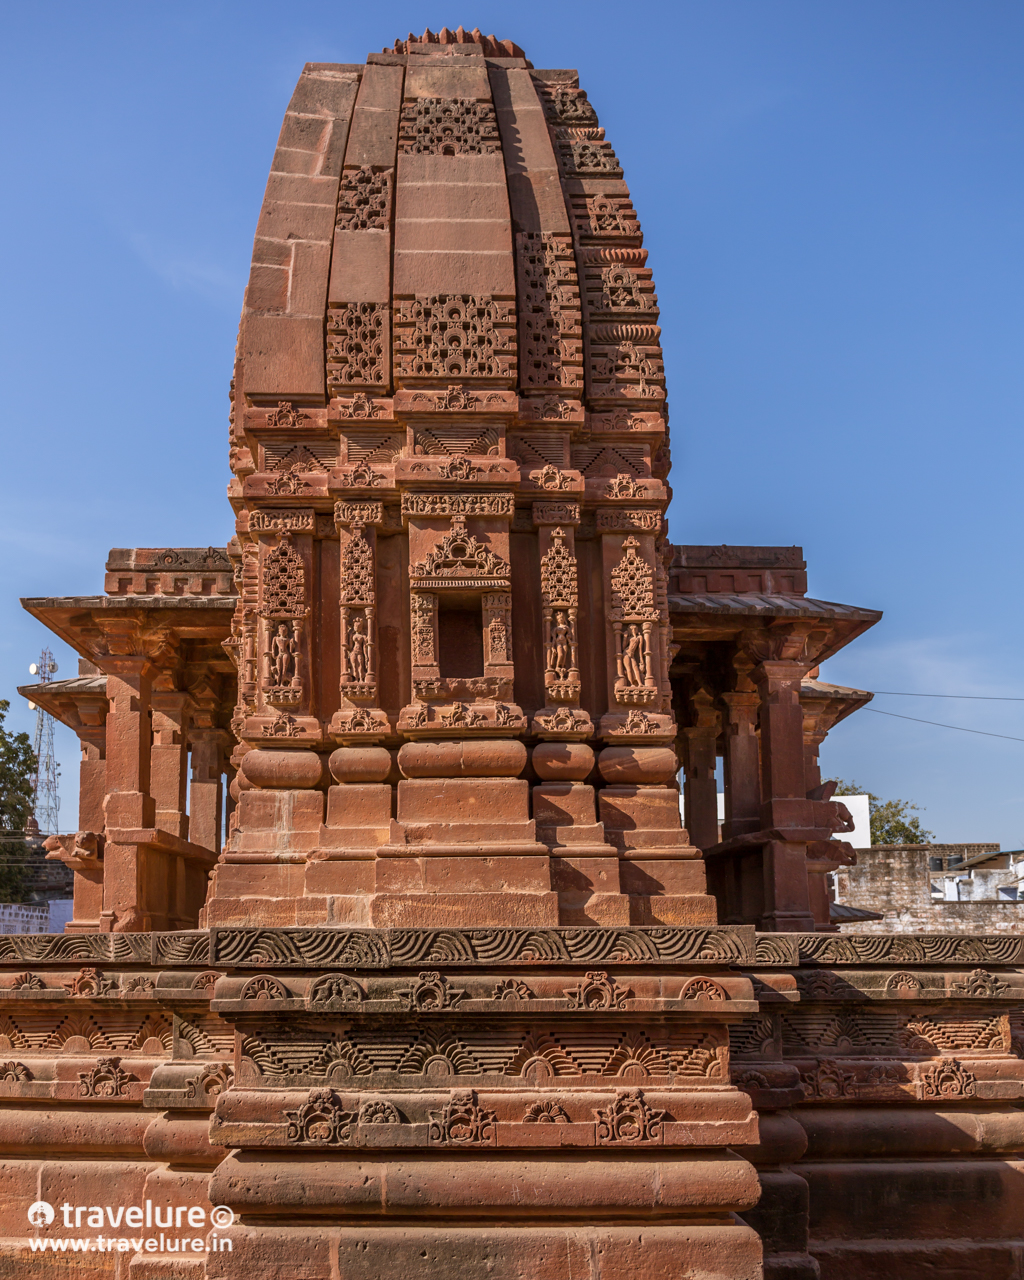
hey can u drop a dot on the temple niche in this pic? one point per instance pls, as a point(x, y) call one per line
point(387, 932)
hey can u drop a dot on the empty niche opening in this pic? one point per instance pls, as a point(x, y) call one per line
point(460, 638)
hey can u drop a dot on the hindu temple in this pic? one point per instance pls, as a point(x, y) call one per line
point(388, 937)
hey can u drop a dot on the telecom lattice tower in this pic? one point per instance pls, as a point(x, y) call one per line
point(44, 783)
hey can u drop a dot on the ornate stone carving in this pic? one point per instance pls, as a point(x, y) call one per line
point(545, 1113)
point(630, 1119)
point(362, 407)
point(90, 983)
point(423, 612)
point(550, 323)
point(211, 1082)
point(565, 105)
point(703, 989)
point(980, 983)
point(605, 216)
point(14, 1073)
point(379, 1111)
point(364, 199)
point(283, 582)
point(512, 989)
point(107, 1079)
point(629, 520)
point(431, 991)
point(460, 560)
point(625, 486)
point(462, 1121)
point(585, 157)
point(461, 504)
point(626, 361)
point(282, 520)
point(448, 127)
point(357, 341)
point(264, 987)
point(287, 417)
point(334, 991)
point(597, 991)
point(947, 1079)
point(560, 600)
point(829, 1080)
point(321, 1121)
point(361, 476)
point(455, 336)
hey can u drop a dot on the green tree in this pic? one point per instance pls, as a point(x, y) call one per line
point(17, 766)
point(891, 820)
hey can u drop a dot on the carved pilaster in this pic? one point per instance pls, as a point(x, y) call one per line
point(637, 639)
point(360, 717)
point(561, 717)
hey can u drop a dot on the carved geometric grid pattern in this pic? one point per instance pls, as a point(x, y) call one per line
point(627, 369)
point(364, 201)
point(629, 1053)
point(633, 586)
point(549, 311)
point(357, 576)
point(303, 457)
point(456, 441)
point(372, 446)
point(595, 460)
point(284, 583)
point(605, 216)
point(455, 336)
point(558, 575)
point(538, 448)
point(124, 1030)
point(618, 288)
point(567, 106)
point(356, 344)
point(588, 157)
point(448, 127)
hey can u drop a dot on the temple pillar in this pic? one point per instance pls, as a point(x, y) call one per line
point(700, 788)
point(786, 903)
point(206, 790)
point(741, 764)
point(92, 785)
point(129, 808)
point(169, 768)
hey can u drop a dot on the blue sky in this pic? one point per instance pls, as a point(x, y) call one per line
point(833, 198)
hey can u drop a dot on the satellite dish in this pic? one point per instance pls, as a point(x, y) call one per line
point(33, 669)
point(31, 706)
point(53, 666)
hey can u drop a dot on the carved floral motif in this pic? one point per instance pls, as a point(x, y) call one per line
point(462, 1121)
point(630, 1118)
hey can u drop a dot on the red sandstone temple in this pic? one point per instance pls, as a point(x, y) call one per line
point(387, 933)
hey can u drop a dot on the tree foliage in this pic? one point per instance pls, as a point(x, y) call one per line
point(17, 767)
point(892, 821)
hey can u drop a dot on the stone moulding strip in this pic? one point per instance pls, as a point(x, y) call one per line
point(388, 948)
point(787, 950)
point(59, 948)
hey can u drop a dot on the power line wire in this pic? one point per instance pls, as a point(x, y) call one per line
point(937, 724)
point(973, 697)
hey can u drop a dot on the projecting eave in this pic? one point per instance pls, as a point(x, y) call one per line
point(841, 699)
point(79, 620)
point(724, 616)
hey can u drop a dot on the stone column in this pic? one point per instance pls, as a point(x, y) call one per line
point(786, 900)
point(129, 809)
point(742, 766)
point(206, 793)
point(169, 768)
point(92, 785)
point(700, 789)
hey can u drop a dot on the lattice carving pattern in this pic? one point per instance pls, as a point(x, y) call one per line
point(448, 127)
point(284, 582)
point(364, 201)
point(633, 586)
point(550, 325)
point(357, 339)
point(357, 574)
point(455, 336)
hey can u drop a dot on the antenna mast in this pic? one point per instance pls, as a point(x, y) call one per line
point(44, 782)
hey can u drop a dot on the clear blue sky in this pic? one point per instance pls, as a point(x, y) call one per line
point(832, 192)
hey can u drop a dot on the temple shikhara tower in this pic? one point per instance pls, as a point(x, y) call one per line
point(388, 933)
